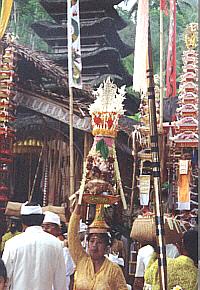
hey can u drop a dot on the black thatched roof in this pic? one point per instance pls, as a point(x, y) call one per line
point(88, 9)
point(99, 32)
point(102, 49)
point(34, 69)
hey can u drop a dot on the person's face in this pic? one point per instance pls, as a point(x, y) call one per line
point(96, 247)
point(51, 228)
point(3, 283)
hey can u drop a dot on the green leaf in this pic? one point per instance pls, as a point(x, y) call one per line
point(102, 147)
point(136, 117)
point(104, 151)
point(99, 144)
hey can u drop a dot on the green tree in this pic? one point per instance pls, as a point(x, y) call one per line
point(24, 14)
point(186, 13)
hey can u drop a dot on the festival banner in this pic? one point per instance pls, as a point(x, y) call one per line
point(74, 44)
point(6, 7)
point(171, 55)
point(141, 48)
point(163, 6)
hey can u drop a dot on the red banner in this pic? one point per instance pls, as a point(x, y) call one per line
point(163, 6)
point(171, 55)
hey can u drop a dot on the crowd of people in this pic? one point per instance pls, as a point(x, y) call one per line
point(39, 257)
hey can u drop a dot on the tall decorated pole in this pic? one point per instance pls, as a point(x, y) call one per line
point(74, 71)
point(7, 106)
point(159, 221)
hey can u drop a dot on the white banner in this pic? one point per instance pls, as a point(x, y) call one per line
point(74, 44)
point(141, 48)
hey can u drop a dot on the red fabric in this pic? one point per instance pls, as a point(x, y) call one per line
point(163, 6)
point(171, 55)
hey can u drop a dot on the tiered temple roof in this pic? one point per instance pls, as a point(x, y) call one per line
point(101, 46)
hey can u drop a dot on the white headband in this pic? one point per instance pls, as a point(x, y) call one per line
point(33, 209)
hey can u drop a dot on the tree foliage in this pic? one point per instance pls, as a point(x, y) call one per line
point(186, 13)
point(23, 15)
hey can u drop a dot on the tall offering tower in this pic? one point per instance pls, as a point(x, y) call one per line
point(101, 182)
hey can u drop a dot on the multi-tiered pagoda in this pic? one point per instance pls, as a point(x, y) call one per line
point(184, 134)
point(101, 46)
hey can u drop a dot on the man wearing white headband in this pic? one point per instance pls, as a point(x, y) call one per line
point(51, 224)
point(34, 259)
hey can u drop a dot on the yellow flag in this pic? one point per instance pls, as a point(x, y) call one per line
point(6, 7)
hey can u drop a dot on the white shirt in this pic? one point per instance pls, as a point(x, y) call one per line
point(35, 261)
point(143, 258)
point(69, 265)
point(145, 253)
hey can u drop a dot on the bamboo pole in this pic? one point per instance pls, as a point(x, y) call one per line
point(30, 175)
point(71, 142)
point(70, 77)
point(135, 149)
point(86, 146)
point(161, 70)
point(159, 222)
point(161, 90)
point(45, 174)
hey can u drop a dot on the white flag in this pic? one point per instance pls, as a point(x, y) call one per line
point(74, 44)
point(141, 48)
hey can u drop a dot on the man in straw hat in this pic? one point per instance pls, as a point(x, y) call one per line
point(51, 224)
point(34, 259)
point(93, 269)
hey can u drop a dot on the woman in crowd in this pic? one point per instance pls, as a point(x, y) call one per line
point(181, 271)
point(93, 270)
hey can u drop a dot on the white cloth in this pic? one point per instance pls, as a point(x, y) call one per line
point(172, 251)
point(35, 261)
point(115, 259)
point(143, 258)
point(141, 48)
point(69, 265)
point(145, 253)
point(26, 210)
